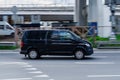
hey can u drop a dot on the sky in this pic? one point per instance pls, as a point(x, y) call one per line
point(40, 2)
point(35, 1)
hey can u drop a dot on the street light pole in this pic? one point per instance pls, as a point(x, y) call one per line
point(14, 10)
point(112, 5)
point(80, 13)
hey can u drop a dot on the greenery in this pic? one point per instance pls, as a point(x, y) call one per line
point(8, 47)
point(118, 37)
point(97, 38)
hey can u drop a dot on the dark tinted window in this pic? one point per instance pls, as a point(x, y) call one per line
point(55, 35)
point(64, 35)
point(61, 35)
point(35, 34)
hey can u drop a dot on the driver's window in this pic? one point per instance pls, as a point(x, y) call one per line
point(55, 35)
point(65, 35)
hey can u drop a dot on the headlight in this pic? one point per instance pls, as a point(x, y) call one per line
point(87, 44)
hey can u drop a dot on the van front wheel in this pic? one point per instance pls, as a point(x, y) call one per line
point(79, 55)
point(33, 54)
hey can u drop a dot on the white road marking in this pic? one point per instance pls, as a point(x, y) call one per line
point(51, 79)
point(88, 63)
point(42, 76)
point(36, 72)
point(31, 68)
point(100, 76)
point(27, 66)
point(18, 79)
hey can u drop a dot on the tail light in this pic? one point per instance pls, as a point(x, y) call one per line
point(21, 44)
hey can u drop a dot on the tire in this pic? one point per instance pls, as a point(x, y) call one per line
point(33, 54)
point(79, 54)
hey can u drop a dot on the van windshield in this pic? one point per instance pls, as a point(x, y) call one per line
point(7, 27)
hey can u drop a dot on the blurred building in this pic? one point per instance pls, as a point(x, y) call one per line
point(82, 11)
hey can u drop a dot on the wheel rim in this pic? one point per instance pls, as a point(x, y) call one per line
point(33, 54)
point(79, 55)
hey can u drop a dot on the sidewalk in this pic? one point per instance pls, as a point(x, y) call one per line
point(16, 50)
point(106, 50)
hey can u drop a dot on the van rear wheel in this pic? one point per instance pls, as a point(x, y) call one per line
point(33, 54)
point(79, 54)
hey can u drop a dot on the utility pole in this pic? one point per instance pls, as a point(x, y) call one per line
point(112, 5)
point(80, 13)
point(14, 10)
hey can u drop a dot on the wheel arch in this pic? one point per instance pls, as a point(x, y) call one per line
point(81, 49)
point(32, 48)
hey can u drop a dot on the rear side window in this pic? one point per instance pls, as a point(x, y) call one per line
point(35, 34)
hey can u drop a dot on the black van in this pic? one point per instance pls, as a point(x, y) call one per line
point(36, 43)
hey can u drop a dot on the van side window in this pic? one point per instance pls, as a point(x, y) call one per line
point(65, 35)
point(36, 35)
point(55, 35)
point(1, 26)
point(33, 35)
point(42, 34)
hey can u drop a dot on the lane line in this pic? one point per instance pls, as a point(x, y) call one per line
point(97, 63)
point(31, 69)
point(42, 76)
point(18, 79)
point(27, 66)
point(36, 72)
point(51, 79)
point(100, 76)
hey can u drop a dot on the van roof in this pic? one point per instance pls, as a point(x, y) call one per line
point(49, 30)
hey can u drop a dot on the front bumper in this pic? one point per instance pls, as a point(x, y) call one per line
point(89, 51)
